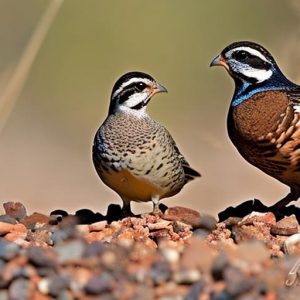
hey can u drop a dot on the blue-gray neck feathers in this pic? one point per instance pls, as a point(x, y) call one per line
point(277, 82)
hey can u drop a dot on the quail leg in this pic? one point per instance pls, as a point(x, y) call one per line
point(156, 210)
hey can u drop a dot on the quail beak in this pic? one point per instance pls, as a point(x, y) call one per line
point(219, 61)
point(158, 88)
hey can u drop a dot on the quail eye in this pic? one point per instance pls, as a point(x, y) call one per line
point(140, 86)
point(240, 55)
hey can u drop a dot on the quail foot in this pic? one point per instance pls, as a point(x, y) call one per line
point(133, 154)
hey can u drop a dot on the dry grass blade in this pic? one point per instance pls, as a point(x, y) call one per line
point(11, 92)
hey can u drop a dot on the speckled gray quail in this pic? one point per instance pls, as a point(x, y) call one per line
point(133, 154)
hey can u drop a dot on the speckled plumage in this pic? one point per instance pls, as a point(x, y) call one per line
point(263, 120)
point(138, 158)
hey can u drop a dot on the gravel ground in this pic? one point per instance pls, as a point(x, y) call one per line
point(181, 254)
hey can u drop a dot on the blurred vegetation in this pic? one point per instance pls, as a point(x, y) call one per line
point(45, 148)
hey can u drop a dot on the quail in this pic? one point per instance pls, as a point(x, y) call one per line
point(264, 114)
point(133, 154)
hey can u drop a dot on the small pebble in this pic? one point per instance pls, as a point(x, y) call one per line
point(69, 251)
point(20, 289)
point(99, 284)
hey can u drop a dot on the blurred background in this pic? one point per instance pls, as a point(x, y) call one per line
point(45, 143)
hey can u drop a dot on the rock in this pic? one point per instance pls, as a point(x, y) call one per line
point(286, 226)
point(195, 291)
point(40, 237)
point(160, 272)
point(99, 284)
point(57, 284)
point(95, 248)
point(8, 250)
point(83, 228)
point(200, 233)
point(159, 225)
point(251, 232)
point(69, 251)
point(31, 221)
point(219, 265)
point(5, 228)
point(15, 210)
point(171, 254)
point(231, 221)
point(257, 217)
point(223, 295)
point(21, 289)
point(292, 244)
point(42, 257)
point(97, 226)
point(8, 219)
point(18, 238)
point(183, 214)
point(186, 276)
point(237, 282)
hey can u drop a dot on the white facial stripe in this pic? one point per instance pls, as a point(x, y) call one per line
point(135, 99)
point(126, 83)
point(260, 75)
point(251, 51)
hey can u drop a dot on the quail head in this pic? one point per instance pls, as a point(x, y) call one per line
point(263, 119)
point(133, 154)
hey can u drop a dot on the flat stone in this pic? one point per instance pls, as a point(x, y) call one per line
point(36, 218)
point(183, 214)
point(286, 226)
point(97, 226)
point(159, 225)
point(255, 217)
